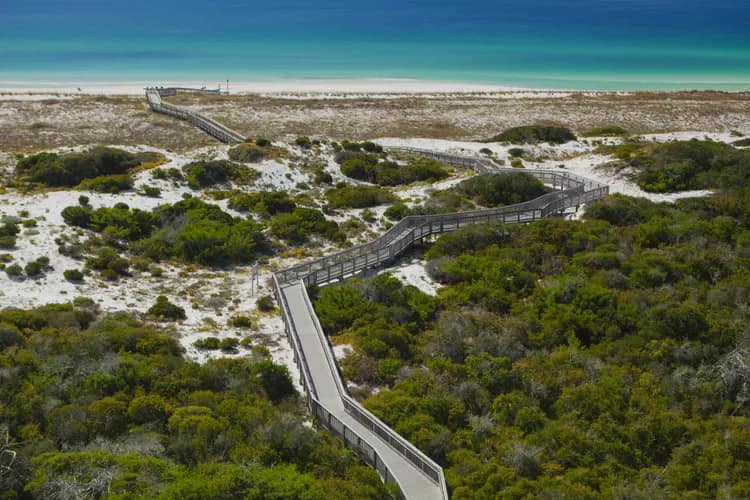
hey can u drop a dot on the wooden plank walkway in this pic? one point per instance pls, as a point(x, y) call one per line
point(208, 125)
point(396, 460)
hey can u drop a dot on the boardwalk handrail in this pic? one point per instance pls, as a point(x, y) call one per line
point(572, 191)
point(361, 414)
point(208, 125)
point(317, 409)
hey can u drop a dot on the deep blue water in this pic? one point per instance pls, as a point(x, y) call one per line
point(607, 44)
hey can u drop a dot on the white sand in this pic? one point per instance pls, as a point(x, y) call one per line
point(414, 273)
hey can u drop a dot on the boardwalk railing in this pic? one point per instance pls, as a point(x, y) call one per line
point(324, 417)
point(570, 190)
point(208, 125)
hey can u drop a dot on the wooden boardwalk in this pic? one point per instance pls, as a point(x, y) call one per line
point(208, 125)
point(396, 460)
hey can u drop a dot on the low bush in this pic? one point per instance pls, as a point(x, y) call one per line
point(297, 227)
point(501, 189)
point(109, 263)
point(358, 197)
point(37, 267)
point(247, 153)
point(368, 146)
point(265, 203)
point(532, 134)
point(202, 174)
point(8, 232)
point(73, 275)
point(684, 165)
point(190, 230)
point(229, 344)
point(111, 184)
point(172, 174)
point(241, 322)
point(14, 270)
point(262, 142)
point(303, 142)
point(163, 309)
point(208, 343)
point(388, 173)
point(397, 211)
point(265, 303)
point(151, 191)
point(70, 169)
point(605, 131)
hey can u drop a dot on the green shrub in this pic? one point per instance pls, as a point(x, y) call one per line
point(493, 190)
point(229, 344)
point(241, 321)
point(201, 174)
point(109, 263)
point(8, 232)
point(73, 275)
point(247, 153)
point(605, 131)
point(297, 226)
point(684, 165)
point(388, 173)
point(151, 191)
point(742, 143)
point(265, 303)
point(303, 142)
point(516, 163)
point(7, 241)
point(29, 223)
point(262, 142)
point(322, 177)
point(173, 174)
point(397, 211)
point(358, 197)
point(108, 184)
point(516, 152)
point(208, 343)
point(70, 169)
point(265, 203)
point(190, 230)
point(532, 134)
point(14, 270)
point(163, 309)
point(33, 268)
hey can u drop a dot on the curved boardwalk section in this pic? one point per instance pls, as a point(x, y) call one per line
point(211, 127)
point(397, 460)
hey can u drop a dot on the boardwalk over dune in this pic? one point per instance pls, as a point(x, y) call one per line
point(396, 460)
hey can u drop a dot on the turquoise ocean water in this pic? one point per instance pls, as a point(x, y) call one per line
point(580, 44)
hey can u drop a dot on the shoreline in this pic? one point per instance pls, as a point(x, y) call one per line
point(351, 88)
